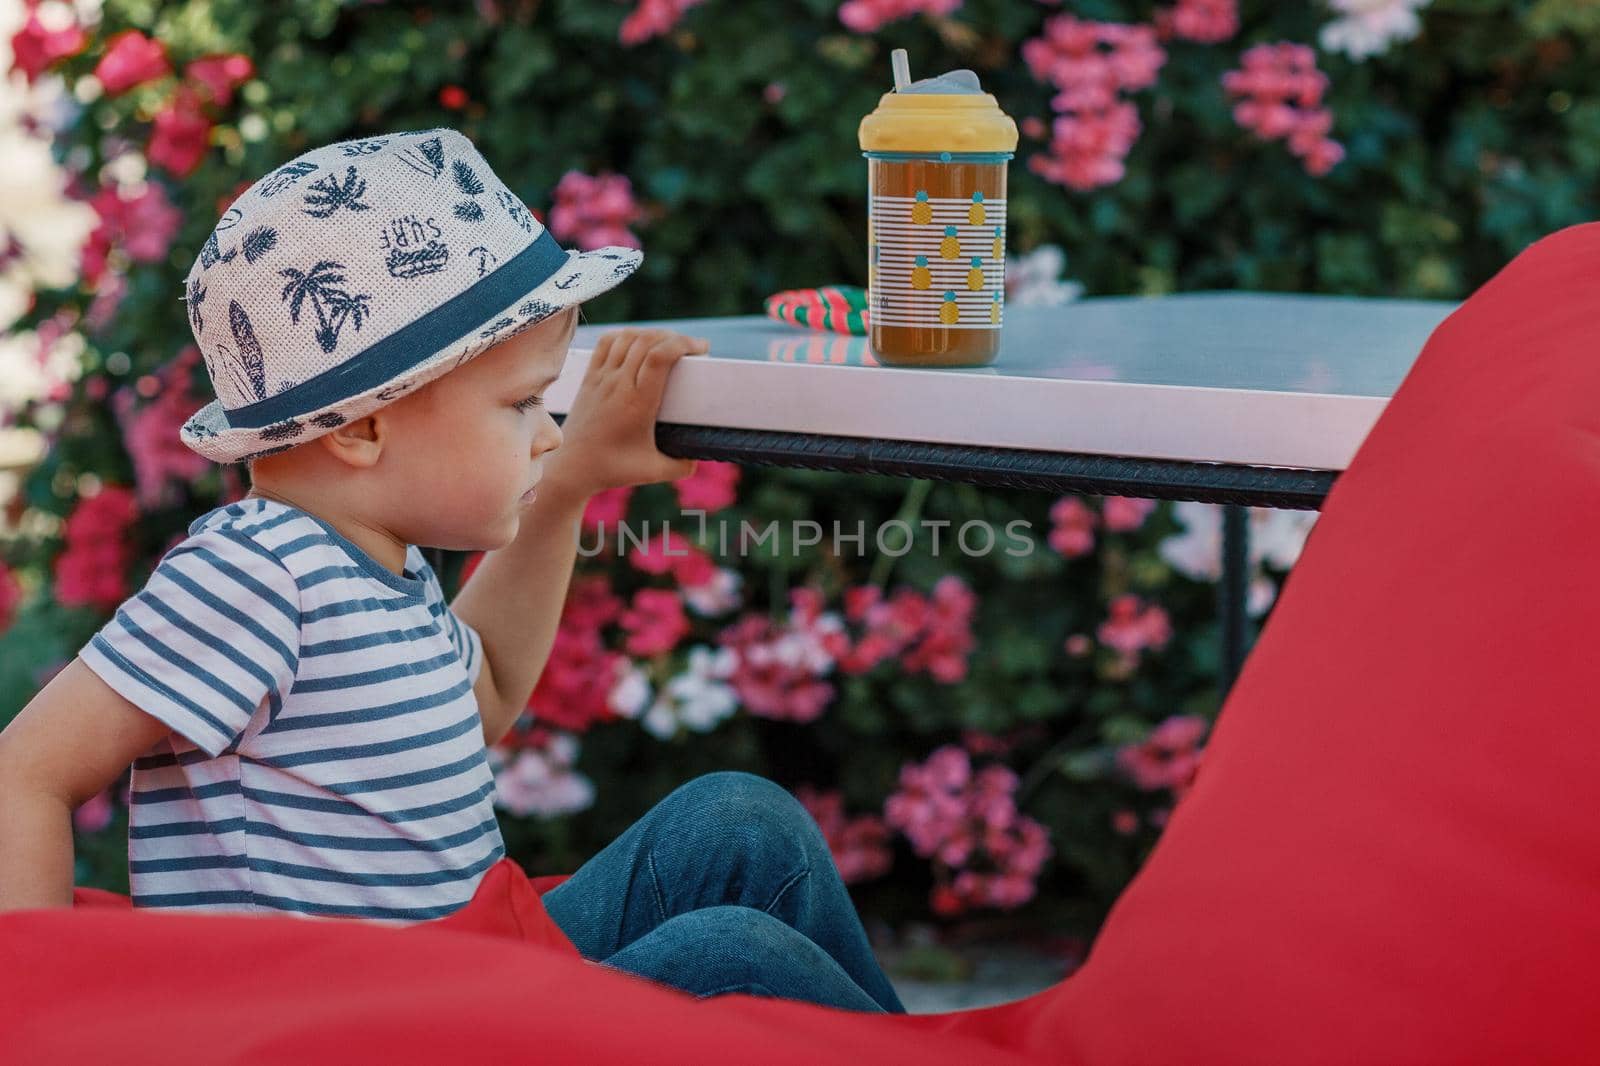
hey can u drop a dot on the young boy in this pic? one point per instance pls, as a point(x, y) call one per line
point(306, 717)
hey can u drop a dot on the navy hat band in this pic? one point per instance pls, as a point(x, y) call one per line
point(413, 343)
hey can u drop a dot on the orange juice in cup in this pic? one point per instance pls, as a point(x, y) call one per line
point(937, 152)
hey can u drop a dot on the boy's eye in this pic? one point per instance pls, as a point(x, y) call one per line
point(528, 404)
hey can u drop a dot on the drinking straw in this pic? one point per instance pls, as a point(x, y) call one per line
point(901, 63)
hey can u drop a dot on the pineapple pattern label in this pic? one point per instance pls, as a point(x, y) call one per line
point(936, 261)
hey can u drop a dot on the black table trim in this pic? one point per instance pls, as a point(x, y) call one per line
point(1020, 468)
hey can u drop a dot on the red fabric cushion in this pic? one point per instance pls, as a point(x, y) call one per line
point(1391, 854)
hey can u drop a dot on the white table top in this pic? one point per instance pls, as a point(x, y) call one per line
point(1253, 378)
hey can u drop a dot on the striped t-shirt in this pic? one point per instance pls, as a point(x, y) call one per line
point(326, 755)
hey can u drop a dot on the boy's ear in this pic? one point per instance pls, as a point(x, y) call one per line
point(359, 441)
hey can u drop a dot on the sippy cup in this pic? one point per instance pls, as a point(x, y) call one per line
point(936, 226)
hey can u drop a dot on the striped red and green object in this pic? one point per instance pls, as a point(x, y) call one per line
point(839, 308)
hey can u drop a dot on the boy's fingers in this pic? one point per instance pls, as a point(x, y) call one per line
point(628, 368)
point(606, 350)
point(663, 357)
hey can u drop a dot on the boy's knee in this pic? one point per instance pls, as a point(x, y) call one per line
point(748, 806)
point(739, 942)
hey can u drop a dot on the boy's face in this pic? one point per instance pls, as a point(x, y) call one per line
point(471, 444)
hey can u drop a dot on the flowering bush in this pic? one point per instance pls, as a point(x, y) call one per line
point(974, 733)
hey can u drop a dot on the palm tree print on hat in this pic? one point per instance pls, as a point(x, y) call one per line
point(258, 242)
point(282, 430)
point(328, 194)
point(426, 157)
point(286, 176)
point(331, 303)
point(519, 214)
point(211, 254)
point(467, 181)
point(196, 297)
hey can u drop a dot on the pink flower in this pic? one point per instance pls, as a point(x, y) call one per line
point(591, 604)
point(781, 667)
point(131, 59)
point(986, 853)
point(1206, 21)
point(946, 639)
point(1279, 91)
point(652, 18)
point(1072, 527)
point(695, 569)
point(10, 597)
point(1091, 63)
point(1134, 627)
point(860, 846)
point(220, 75)
point(866, 16)
point(92, 570)
point(710, 488)
point(671, 553)
point(595, 211)
point(660, 554)
point(1125, 822)
point(574, 689)
point(181, 135)
point(161, 461)
point(35, 49)
point(1168, 758)
point(1124, 514)
point(94, 814)
point(932, 634)
point(143, 226)
point(655, 623)
point(607, 508)
point(540, 778)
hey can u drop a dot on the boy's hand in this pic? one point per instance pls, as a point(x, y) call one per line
point(608, 438)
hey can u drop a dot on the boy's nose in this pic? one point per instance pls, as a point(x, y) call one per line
point(549, 439)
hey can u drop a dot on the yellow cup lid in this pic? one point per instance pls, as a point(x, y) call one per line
point(938, 122)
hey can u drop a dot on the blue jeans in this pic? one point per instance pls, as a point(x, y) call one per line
point(726, 885)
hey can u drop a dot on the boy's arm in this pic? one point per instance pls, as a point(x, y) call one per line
point(514, 600)
point(514, 597)
point(74, 738)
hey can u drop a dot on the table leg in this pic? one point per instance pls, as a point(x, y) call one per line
point(1233, 591)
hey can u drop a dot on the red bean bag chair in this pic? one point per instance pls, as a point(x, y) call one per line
point(1392, 853)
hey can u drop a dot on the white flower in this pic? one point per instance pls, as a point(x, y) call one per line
point(630, 693)
point(43, 227)
point(1370, 26)
point(26, 374)
point(717, 596)
point(1035, 278)
point(698, 698)
point(1197, 551)
point(543, 783)
point(1263, 591)
point(1276, 537)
